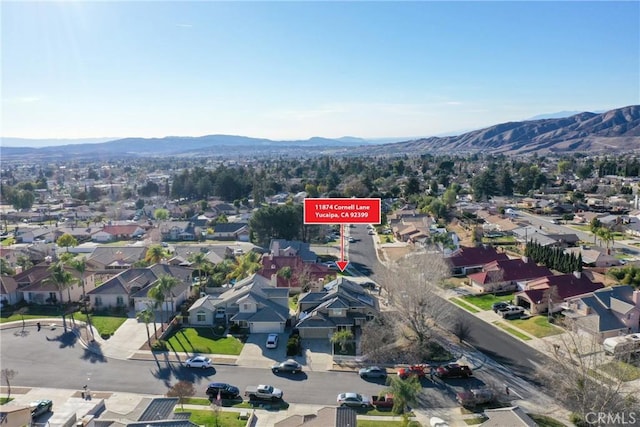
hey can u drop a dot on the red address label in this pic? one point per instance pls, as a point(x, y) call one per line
point(342, 211)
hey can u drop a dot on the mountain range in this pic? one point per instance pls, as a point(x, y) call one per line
point(614, 130)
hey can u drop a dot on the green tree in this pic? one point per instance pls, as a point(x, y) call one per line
point(80, 265)
point(167, 284)
point(5, 268)
point(245, 266)
point(62, 279)
point(277, 222)
point(286, 273)
point(161, 214)
point(155, 254)
point(67, 240)
point(157, 295)
point(342, 338)
point(200, 261)
point(146, 316)
point(405, 392)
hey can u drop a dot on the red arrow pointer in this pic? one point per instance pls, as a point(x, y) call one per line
point(342, 264)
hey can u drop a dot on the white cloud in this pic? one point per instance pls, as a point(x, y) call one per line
point(22, 100)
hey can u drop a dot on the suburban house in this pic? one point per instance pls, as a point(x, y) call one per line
point(535, 234)
point(112, 259)
point(537, 293)
point(35, 287)
point(343, 305)
point(231, 231)
point(130, 288)
point(513, 417)
point(594, 257)
point(506, 274)
point(605, 313)
point(179, 230)
point(111, 233)
point(303, 273)
point(252, 303)
point(9, 293)
point(30, 235)
point(325, 417)
point(282, 247)
point(471, 259)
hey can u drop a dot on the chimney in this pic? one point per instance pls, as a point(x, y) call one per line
point(635, 297)
point(525, 259)
point(577, 274)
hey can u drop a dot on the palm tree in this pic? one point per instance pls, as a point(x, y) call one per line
point(246, 265)
point(405, 392)
point(200, 261)
point(146, 316)
point(80, 265)
point(286, 273)
point(167, 283)
point(63, 279)
point(151, 308)
point(155, 254)
point(342, 337)
point(156, 293)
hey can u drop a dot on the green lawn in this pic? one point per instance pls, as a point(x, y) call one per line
point(203, 340)
point(293, 303)
point(197, 401)
point(106, 325)
point(621, 370)
point(475, 421)
point(512, 331)
point(468, 307)
point(538, 326)
point(206, 417)
point(4, 400)
point(485, 302)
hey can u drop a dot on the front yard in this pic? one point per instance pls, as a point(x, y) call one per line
point(538, 326)
point(486, 301)
point(203, 340)
point(621, 370)
point(207, 418)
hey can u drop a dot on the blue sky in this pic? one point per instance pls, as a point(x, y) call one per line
point(288, 70)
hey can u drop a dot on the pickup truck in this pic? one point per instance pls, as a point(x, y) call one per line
point(382, 402)
point(454, 370)
point(474, 397)
point(263, 392)
point(511, 312)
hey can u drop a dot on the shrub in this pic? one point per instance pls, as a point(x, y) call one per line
point(234, 329)
point(577, 420)
point(105, 336)
point(159, 345)
point(293, 345)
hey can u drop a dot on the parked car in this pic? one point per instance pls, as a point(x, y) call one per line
point(40, 407)
point(499, 306)
point(419, 371)
point(263, 392)
point(453, 370)
point(353, 400)
point(382, 402)
point(511, 312)
point(351, 239)
point(474, 397)
point(287, 366)
point(272, 341)
point(227, 391)
point(373, 372)
point(199, 362)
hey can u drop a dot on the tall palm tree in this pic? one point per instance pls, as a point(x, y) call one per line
point(246, 265)
point(62, 279)
point(200, 261)
point(151, 308)
point(342, 337)
point(158, 296)
point(154, 254)
point(80, 265)
point(167, 283)
point(405, 392)
point(146, 316)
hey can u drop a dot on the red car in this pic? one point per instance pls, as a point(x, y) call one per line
point(419, 371)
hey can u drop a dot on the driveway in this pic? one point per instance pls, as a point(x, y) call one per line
point(316, 354)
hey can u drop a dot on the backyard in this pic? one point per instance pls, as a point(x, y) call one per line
point(203, 340)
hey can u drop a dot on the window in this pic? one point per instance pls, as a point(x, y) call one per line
point(201, 316)
point(98, 301)
point(53, 297)
point(221, 310)
point(246, 306)
point(119, 300)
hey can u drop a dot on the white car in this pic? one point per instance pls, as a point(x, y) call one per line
point(272, 341)
point(198, 362)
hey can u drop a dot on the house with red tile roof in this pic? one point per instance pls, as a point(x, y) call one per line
point(555, 289)
point(471, 259)
point(37, 289)
point(302, 273)
point(502, 275)
point(112, 233)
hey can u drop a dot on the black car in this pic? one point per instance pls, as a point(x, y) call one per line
point(227, 391)
point(497, 306)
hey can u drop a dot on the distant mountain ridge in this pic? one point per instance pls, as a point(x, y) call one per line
point(611, 131)
point(614, 130)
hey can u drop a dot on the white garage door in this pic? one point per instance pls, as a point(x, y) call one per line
point(266, 327)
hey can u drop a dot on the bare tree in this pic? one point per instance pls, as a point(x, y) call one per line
point(378, 340)
point(460, 328)
point(576, 376)
point(7, 375)
point(411, 285)
point(182, 390)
